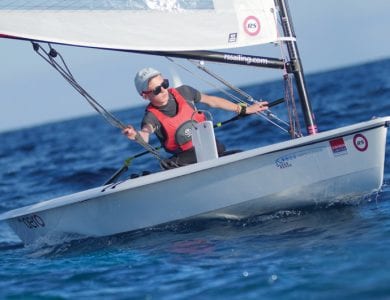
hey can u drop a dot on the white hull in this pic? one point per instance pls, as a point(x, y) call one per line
point(306, 171)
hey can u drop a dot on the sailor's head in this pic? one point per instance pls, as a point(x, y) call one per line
point(150, 84)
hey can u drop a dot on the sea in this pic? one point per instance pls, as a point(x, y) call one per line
point(329, 252)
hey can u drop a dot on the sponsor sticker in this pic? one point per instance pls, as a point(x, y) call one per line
point(188, 132)
point(252, 25)
point(360, 142)
point(338, 147)
point(285, 161)
point(232, 37)
point(288, 160)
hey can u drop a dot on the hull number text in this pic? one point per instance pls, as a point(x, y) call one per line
point(32, 221)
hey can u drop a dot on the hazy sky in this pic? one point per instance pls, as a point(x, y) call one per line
point(331, 34)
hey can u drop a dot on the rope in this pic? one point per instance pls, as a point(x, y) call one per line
point(206, 81)
point(225, 82)
point(266, 115)
point(295, 128)
point(68, 76)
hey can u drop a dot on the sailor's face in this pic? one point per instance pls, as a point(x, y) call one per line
point(156, 84)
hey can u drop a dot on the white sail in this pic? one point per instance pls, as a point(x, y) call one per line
point(164, 25)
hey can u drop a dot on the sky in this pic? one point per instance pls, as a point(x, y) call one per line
point(330, 34)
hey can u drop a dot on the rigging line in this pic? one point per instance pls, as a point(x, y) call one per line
point(148, 147)
point(233, 97)
point(295, 128)
point(289, 92)
point(67, 75)
point(70, 79)
point(266, 115)
point(62, 59)
point(223, 81)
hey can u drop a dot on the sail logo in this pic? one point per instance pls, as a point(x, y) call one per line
point(338, 146)
point(232, 37)
point(252, 25)
point(360, 142)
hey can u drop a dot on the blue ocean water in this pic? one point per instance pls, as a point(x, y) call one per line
point(311, 253)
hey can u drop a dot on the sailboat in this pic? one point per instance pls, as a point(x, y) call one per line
point(339, 165)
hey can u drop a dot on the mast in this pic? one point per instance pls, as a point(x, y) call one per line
point(296, 67)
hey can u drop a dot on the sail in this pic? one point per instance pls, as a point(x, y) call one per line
point(154, 25)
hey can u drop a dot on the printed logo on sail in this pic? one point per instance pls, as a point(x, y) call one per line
point(232, 37)
point(360, 142)
point(338, 146)
point(252, 25)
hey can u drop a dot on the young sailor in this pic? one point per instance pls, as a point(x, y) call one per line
point(169, 112)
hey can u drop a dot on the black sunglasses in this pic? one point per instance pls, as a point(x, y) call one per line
point(157, 89)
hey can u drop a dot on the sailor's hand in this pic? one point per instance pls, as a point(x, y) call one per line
point(130, 132)
point(257, 107)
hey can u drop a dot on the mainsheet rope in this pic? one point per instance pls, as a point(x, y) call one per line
point(68, 76)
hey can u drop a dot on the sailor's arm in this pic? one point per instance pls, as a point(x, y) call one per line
point(218, 102)
point(145, 132)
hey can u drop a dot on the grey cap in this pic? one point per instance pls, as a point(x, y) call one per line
point(142, 78)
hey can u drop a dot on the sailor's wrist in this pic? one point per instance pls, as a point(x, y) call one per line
point(241, 109)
